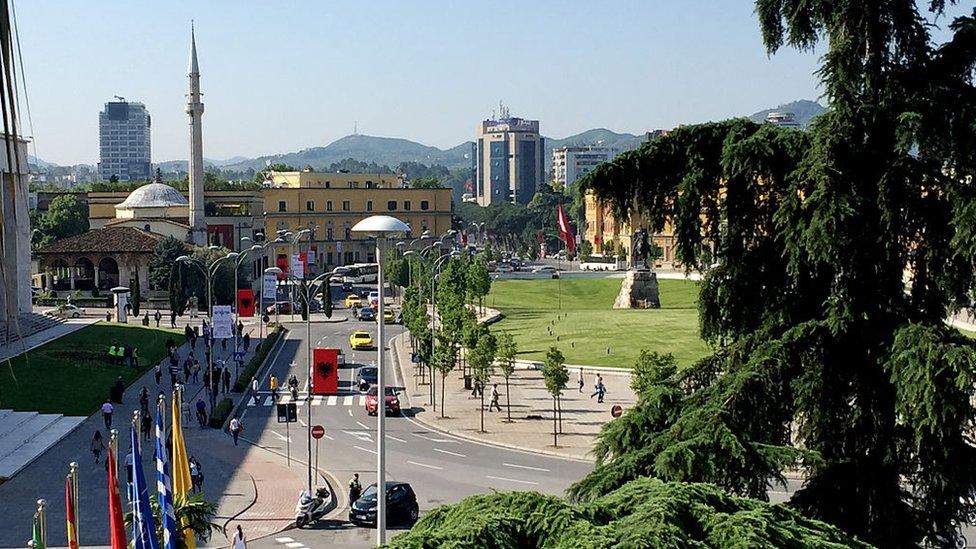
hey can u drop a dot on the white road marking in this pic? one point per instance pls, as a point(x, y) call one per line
point(303, 424)
point(425, 465)
point(316, 400)
point(251, 402)
point(347, 401)
point(332, 400)
point(363, 425)
point(512, 480)
point(361, 435)
point(526, 467)
point(439, 440)
point(284, 540)
point(365, 449)
point(396, 439)
point(283, 438)
point(362, 400)
point(350, 412)
point(294, 545)
point(449, 453)
point(268, 401)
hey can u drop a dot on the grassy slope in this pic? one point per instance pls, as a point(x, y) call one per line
point(47, 380)
point(586, 324)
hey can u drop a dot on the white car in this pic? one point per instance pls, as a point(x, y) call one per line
point(66, 311)
point(545, 269)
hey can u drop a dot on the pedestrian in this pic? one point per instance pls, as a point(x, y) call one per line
point(254, 387)
point(146, 426)
point(236, 426)
point(195, 370)
point(174, 368)
point(172, 319)
point(240, 328)
point(158, 372)
point(601, 390)
point(274, 387)
point(144, 400)
point(201, 413)
point(194, 474)
point(127, 355)
point(119, 389)
point(239, 542)
point(355, 489)
point(226, 379)
point(135, 357)
point(187, 366)
point(247, 341)
point(97, 445)
point(145, 319)
point(191, 336)
point(206, 380)
point(494, 398)
point(579, 378)
point(214, 388)
point(129, 462)
point(156, 317)
point(223, 344)
point(108, 316)
point(111, 354)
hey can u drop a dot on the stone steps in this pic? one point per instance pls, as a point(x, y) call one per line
point(24, 436)
point(28, 325)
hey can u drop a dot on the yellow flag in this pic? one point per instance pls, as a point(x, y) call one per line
point(181, 466)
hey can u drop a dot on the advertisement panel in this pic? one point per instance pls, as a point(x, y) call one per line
point(297, 266)
point(269, 288)
point(223, 322)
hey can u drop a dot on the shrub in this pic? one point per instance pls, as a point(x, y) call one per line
point(219, 414)
point(252, 367)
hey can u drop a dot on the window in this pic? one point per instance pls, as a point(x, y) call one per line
point(406, 205)
point(328, 206)
point(369, 184)
point(369, 205)
point(357, 257)
point(309, 205)
point(328, 185)
point(328, 233)
point(345, 205)
point(348, 231)
point(282, 206)
point(424, 205)
point(391, 205)
point(328, 258)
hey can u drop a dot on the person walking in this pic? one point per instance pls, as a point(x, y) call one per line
point(158, 372)
point(144, 400)
point(254, 387)
point(195, 370)
point(494, 398)
point(97, 445)
point(247, 341)
point(147, 424)
point(601, 390)
point(274, 387)
point(240, 328)
point(119, 389)
point(187, 365)
point(201, 413)
point(580, 380)
point(194, 474)
point(156, 317)
point(355, 489)
point(191, 335)
point(127, 355)
point(172, 319)
point(239, 541)
point(236, 426)
point(226, 379)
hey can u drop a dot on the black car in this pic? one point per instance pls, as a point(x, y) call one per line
point(366, 313)
point(368, 373)
point(347, 286)
point(401, 505)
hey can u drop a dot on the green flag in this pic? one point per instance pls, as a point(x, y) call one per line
point(36, 536)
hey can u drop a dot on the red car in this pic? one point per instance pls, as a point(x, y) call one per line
point(392, 402)
point(284, 308)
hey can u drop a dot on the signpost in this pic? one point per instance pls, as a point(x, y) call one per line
point(287, 413)
point(317, 433)
point(617, 410)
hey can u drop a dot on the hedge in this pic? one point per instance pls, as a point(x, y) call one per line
point(219, 414)
point(257, 360)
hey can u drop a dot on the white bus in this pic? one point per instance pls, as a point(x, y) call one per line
point(361, 273)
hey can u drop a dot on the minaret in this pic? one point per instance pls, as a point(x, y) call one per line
point(194, 108)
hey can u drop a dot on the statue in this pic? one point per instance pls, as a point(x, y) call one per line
point(640, 250)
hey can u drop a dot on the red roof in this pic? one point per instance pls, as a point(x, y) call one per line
point(107, 240)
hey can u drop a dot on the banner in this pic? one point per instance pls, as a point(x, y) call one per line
point(312, 254)
point(223, 322)
point(297, 266)
point(565, 230)
point(269, 288)
point(245, 302)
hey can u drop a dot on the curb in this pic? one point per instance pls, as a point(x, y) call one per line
point(244, 510)
point(415, 418)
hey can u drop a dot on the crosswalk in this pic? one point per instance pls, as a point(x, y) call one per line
point(317, 400)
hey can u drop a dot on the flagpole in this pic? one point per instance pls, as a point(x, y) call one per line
point(113, 444)
point(73, 476)
point(42, 522)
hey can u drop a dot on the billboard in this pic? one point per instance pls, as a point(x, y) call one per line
point(223, 322)
point(269, 288)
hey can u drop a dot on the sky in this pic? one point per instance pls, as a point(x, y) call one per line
point(288, 75)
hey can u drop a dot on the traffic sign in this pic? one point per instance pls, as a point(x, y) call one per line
point(617, 410)
point(318, 432)
point(287, 413)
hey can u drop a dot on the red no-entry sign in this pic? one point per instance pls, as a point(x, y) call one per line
point(617, 410)
point(318, 432)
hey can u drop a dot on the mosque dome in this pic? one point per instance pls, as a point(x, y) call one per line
point(153, 195)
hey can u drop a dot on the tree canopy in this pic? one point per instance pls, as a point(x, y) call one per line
point(835, 256)
point(66, 216)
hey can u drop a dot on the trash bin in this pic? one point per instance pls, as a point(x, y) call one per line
point(467, 383)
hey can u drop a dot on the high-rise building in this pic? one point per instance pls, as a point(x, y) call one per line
point(510, 163)
point(783, 119)
point(572, 163)
point(123, 139)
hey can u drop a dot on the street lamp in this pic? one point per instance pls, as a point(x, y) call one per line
point(208, 274)
point(438, 263)
point(381, 227)
point(237, 266)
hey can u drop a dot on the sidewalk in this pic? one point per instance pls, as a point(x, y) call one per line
point(241, 479)
point(531, 427)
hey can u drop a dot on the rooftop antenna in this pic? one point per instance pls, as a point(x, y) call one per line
point(120, 98)
point(502, 110)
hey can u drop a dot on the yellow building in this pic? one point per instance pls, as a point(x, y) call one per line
point(335, 180)
point(605, 232)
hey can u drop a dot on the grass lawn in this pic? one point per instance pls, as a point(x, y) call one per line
point(580, 314)
point(71, 375)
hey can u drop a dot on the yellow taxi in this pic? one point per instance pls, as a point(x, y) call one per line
point(361, 339)
point(389, 317)
point(353, 301)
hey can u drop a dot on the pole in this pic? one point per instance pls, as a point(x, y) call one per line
point(287, 441)
point(381, 402)
point(73, 476)
point(433, 312)
point(42, 521)
point(308, 396)
point(113, 443)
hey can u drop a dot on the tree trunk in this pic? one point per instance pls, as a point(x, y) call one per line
point(443, 377)
point(508, 399)
point(555, 440)
point(559, 404)
point(482, 393)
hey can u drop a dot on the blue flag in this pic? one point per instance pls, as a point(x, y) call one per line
point(143, 527)
point(164, 489)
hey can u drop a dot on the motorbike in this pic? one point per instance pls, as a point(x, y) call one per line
point(363, 385)
point(310, 509)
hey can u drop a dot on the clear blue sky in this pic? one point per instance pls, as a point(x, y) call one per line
point(286, 75)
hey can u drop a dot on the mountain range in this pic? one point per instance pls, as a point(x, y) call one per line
point(391, 151)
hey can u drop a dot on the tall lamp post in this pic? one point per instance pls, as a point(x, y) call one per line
point(380, 227)
point(237, 266)
point(208, 274)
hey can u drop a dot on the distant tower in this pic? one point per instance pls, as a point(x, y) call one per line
point(194, 108)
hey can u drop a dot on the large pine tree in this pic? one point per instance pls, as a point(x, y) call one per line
point(835, 256)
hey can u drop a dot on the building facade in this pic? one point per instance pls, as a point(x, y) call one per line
point(124, 141)
point(572, 163)
point(609, 235)
point(510, 162)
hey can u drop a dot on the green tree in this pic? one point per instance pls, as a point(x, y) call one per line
point(650, 370)
point(66, 216)
point(428, 182)
point(507, 352)
point(826, 358)
point(444, 360)
point(198, 514)
point(479, 281)
point(482, 360)
point(162, 261)
point(555, 375)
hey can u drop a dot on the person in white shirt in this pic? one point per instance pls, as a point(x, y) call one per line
point(579, 378)
point(239, 542)
point(107, 409)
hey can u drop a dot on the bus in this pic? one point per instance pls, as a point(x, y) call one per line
point(361, 273)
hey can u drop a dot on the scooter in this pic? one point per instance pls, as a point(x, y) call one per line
point(311, 509)
point(363, 385)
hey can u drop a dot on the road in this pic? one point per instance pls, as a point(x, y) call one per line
point(441, 468)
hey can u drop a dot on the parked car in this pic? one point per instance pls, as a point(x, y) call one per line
point(545, 269)
point(65, 311)
point(283, 307)
point(392, 401)
point(401, 505)
point(364, 314)
point(361, 339)
point(353, 301)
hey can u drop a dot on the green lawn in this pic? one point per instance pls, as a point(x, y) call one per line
point(71, 375)
point(580, 314)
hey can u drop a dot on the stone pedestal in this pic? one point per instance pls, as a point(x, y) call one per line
point(639, 290)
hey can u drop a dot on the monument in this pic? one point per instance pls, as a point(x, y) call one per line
point(639, 289)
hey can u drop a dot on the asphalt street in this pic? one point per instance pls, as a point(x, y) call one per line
point(440, 468)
